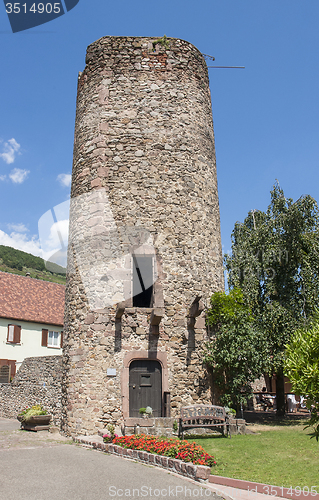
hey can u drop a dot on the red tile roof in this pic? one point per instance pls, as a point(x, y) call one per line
point(29, 299)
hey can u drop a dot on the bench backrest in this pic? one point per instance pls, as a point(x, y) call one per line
point(201, 412)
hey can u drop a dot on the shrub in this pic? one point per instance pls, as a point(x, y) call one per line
point(302, 368)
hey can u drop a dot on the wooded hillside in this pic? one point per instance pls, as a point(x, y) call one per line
point(19, 262)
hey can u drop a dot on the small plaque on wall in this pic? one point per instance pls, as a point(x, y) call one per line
point(111, 372)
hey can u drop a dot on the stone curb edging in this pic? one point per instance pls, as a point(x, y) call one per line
point(197, 472)
point(266, 489)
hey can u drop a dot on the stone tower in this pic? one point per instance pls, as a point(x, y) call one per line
point(144, 245)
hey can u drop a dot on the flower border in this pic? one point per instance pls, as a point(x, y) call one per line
point(197, 472)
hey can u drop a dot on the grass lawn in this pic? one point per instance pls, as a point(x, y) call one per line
point(281, 454)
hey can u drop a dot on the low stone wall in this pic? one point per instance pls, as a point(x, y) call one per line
point(155, 426)
point(237, 426)
point(197, 472)
point(163, 426)
point(38, 381)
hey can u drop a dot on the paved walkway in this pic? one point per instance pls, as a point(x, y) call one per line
point(45, 466)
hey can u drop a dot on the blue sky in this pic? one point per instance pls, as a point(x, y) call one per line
point(266, 117)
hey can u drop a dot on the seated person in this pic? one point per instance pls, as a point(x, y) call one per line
point(292, 403)
point(266, 399)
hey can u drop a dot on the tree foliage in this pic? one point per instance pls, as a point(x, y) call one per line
point(275, 263)
point(302, 368)
point(236, 352)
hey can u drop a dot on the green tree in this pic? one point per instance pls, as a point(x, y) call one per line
point(236, 352)
point(275, 263)
point(302, 368)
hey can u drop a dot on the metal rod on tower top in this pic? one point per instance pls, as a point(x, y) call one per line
point(212, 58)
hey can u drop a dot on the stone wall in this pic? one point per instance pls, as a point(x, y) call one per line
point(38, 381)
point(143, 181)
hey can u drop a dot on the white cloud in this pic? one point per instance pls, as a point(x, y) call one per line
point(10, 149)
point(18, 228)
point(64, 180)
point(3, 177)
point(49, 249)
point(55, 249)
point(53, 232)
point(18, 176)
point(20, 241)
point(58, 233)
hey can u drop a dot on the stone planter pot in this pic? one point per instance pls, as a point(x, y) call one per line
point(36, 423)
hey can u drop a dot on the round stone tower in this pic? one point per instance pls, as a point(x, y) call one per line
point(144, 246)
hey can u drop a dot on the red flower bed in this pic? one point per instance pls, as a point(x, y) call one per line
point(174, 448)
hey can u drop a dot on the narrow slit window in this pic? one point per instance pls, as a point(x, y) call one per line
point(142, 281)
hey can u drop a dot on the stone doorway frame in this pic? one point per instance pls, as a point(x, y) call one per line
point(159, 356)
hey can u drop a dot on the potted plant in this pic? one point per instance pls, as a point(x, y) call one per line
point(142, 411)
point(146, 412)
point(230, 412)
point(35, 418)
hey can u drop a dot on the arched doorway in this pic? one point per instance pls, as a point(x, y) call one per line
point(145, 386)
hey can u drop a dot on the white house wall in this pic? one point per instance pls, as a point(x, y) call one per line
point(31, 339)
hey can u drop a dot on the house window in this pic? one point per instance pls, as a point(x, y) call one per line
point(143, 280)
point(14, 334)
point(51, 338)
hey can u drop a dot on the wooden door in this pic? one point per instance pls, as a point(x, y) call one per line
point(145, 384)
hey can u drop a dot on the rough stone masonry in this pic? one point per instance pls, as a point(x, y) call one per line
point(144, 245)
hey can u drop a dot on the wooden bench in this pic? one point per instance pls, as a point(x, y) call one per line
point(204, 416)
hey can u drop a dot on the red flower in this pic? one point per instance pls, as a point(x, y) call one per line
point(189, 452)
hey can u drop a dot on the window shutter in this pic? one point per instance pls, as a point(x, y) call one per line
point(44, 337)
point(17, 334)
point(13, 367)
point(61, 339)
point(5, 374)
